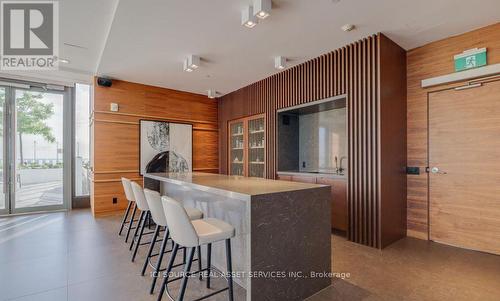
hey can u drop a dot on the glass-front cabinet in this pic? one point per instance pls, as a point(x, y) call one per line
point(256, 153)
point(247, 147)
point(236, 148)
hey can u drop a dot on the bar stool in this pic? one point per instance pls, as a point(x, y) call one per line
point(156, 208)
point(142, 204)
point(129, 225)
point(193, 234)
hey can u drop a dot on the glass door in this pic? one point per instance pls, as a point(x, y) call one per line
point(236, 148)
point(4, 209)
point(256, 147)
point(39, 137)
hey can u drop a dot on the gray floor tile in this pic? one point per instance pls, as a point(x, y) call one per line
point(59, 294)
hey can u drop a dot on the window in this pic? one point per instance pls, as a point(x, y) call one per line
point(82, 140)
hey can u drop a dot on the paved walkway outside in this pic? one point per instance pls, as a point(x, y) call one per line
point(35, 195)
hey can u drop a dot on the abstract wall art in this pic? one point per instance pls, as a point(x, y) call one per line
point(165, 146)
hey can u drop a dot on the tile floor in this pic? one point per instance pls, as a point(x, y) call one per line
point(72, 256)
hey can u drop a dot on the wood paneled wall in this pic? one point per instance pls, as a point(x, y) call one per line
point(115, 135)
point(376, 193)
point(428, 61)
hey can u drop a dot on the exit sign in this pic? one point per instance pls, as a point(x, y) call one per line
point(470, 59)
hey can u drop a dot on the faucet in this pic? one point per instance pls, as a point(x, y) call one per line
point(341, 169)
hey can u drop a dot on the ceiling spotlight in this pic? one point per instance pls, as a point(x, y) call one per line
point(194, 61)
point(191, 62)
point(212, 93)
point(348, 27)
point(262, 8)
point(187, 68)
point(247, 17)
point(280, 62)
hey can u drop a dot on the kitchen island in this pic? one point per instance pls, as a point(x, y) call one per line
point(282, 229)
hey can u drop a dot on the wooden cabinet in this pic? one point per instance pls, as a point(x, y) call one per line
point(339, 201)
point(237, 148)
point(284, 178)
point(304, 179)
point(247, 154)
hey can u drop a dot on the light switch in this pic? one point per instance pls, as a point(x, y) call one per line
point(113, 107)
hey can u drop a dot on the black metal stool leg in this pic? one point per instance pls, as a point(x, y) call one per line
point(138, 243)
point(209, 263)
point(229, 269)
point(124, 220)
point(151, 247)
point(160, 259)
point(199, 263)
point(169, 269)
point(139, 223)
point(131, 222)
point(185, 277)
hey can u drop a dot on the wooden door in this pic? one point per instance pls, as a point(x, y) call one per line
point(464, 160)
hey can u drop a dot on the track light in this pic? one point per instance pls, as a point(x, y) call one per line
point(186, 66)
point(262, 8)
point(347, 27)
point(194, 61)
point(280, 62)
point(247, 17)
point(191, 62)
point(212, 93)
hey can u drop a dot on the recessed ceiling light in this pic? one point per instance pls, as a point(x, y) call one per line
point(280, 62)
point(212, 93)
point(348, 27)
point(262, 8)
point(247, 17)
point(64, 61)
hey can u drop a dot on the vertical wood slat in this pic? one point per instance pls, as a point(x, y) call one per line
point(350, 70)
point(376, 149)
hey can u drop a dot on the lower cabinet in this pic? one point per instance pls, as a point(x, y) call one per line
point(304, 179)
point(339, 201)
point(339, 196)
point(284, 178)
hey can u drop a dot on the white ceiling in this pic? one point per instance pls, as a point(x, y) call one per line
point(146, 41)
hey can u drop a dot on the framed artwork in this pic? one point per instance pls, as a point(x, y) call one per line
point(165, 147)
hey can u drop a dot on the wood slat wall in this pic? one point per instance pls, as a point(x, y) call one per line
point(115, 135)
point(352, 70)
point(428, 61)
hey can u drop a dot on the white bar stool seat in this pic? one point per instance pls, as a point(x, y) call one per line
point(192, 234)
point(193, 213)
point(212, 230)
point(153, 199)
point(129, 195)
point(142, 204)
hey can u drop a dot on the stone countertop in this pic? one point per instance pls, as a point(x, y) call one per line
point(312, 174)
point(231, 186)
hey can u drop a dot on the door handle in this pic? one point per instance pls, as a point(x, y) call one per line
point(435, 170)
